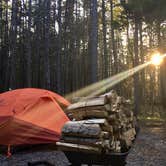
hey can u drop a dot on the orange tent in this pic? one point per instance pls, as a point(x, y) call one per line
point(31, 116)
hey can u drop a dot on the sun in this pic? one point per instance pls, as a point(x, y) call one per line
point(156, 59)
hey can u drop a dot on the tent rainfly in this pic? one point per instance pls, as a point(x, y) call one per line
point(31, 116)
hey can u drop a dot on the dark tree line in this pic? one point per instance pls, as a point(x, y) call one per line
point(44, 42)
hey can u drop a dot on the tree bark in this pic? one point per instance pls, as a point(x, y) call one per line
point(59, 54)
point(104, 40)
point(162, 82)
point(136, 63)
point(162, 68)
point(114, 52)
point(1, 47)
point(6, 51)
point(37, 43)
point(93, 40)
point(142, 62)
point(47, 45)
point(28, 46)
point(13, 45)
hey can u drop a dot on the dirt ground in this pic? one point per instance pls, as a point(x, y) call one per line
point(149, 150)
point(150, 146)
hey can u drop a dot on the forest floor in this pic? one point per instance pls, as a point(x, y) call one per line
point(150, 145)
point(149, 150)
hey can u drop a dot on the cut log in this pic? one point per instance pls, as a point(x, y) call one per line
point(128, 113)
point(128, 103)
point(105, 107)
point(120, 100)
point(77, 148)
point(95, 114)
point(81, 129)
point(115, 146)
point(94, 121)
point(107, 128)
point(83, 141)
point(82, 114)
point(102, 122)
point(106, 145)
point(112, 118)
point(128, 136)
point(97, 101)
point(126, 143)
point(112, 96)
point(106, 135)
point(116, 128)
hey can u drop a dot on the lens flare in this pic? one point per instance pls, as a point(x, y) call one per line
point(157, 59)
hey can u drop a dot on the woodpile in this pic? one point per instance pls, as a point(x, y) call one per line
point(100, 124)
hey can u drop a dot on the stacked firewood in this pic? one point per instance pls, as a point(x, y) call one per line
point(100, 124)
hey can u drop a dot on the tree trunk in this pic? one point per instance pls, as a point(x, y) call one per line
point(104, 40)
point(13, 45)
point(114, 52)
point(162, 68)
point(59, 59)
point(162, 82)
point(6, 42)
point(47, 45)
point(1, 47)
point(28, 46)
point(136, 63)
point(93, 40)
point(142, 61)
